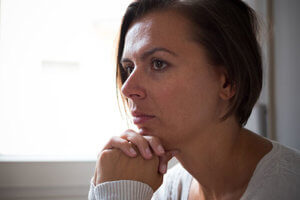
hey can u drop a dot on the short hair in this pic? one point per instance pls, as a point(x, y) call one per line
point(227, 29)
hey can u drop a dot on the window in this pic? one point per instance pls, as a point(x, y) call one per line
point(57, 94)
point(57, 76)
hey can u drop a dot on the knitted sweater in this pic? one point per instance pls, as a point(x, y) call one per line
point(276, 177)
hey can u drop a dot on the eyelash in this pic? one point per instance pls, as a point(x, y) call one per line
point(126, 69)
point(164, 63)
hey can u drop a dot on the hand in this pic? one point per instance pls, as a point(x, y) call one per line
point(146, 146)
point(134, 146)
point(114, 165)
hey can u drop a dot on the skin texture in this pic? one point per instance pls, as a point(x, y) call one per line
point(113, 165)
point(185, 85)
point(187, 97)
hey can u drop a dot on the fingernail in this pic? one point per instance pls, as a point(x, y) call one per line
point(148, 152)
point(160, 149)
point(163, 168)
point(132, 151)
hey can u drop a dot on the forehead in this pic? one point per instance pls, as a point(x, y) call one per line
point(166, 29)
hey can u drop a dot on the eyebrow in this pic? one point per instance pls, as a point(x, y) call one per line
point(150, 52)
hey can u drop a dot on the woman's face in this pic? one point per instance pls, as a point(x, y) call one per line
point(169, 78)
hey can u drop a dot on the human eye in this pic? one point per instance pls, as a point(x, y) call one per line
point(128, 68)
point(158, 64)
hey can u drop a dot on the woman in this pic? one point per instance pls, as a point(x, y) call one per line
point(190, 72)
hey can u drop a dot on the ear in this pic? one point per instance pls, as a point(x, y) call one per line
point(227, 89)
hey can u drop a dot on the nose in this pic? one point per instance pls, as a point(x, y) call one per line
point(133, 86)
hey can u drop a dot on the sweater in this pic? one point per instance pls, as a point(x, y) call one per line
point(276, 177)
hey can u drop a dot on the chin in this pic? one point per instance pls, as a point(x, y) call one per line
point(144, 131)
point(149, 132)
point(167, 140)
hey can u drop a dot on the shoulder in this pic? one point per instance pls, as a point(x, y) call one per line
point(285, 160)
point(175, 184)
point(277, 175)
point(280, 161)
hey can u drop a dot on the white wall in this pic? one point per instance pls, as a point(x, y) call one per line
point(287, 71)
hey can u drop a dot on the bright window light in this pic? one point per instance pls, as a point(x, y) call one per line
point(57, 76)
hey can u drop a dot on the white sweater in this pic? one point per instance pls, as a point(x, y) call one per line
point(276, 177)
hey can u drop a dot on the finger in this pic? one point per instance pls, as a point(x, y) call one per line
point(155, 144)
point(96, 173)
point(139, 141)
point(122, 144)
point(163, 160)
point(95, 177)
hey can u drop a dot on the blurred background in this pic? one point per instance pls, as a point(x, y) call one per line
point(58, 102)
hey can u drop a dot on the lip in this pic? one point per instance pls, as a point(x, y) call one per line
point(140, 118)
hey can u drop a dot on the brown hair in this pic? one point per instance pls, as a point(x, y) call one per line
point(227, 29)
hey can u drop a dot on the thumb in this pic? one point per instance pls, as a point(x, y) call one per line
point(164, 159)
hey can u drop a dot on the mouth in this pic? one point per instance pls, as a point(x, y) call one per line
point(141, 118)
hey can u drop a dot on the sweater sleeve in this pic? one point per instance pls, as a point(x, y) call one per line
point(122, 189)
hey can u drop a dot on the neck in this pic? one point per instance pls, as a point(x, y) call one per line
point(220, 159)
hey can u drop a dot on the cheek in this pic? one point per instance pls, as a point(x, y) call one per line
point(186, 108)
point(196, 97)
point(192, 105)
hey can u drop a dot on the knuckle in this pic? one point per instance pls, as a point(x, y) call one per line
point(124, 135)
point(131, 138)
point(123, 142)
point(104, 154)
point(114, 138)
point(127, 133)
point(107, 154)
point(136, 140)
point(118, 142)
point(150, 140)
point(130, 130)
point(153, 140)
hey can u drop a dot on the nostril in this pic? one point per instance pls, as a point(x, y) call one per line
point(134, 95)
point(137, 93)
point(132, 88)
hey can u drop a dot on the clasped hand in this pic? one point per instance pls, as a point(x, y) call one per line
point(133, 157)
